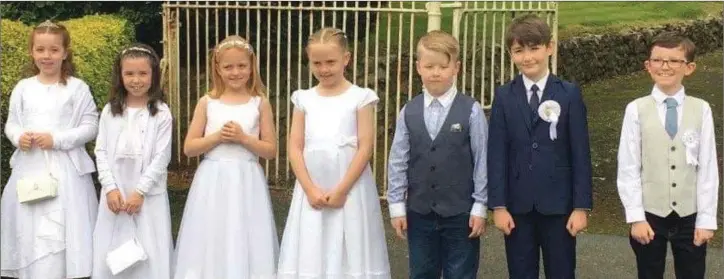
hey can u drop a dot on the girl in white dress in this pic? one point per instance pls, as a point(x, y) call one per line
point(133, 150)
point(50, 119)
point(227, 230)
point(334, 229)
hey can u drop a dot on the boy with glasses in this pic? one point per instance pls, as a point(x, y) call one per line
point(667, 166)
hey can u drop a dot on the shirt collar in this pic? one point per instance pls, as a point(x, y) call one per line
point(541, 82)
point(445, 99)
point(660, 96)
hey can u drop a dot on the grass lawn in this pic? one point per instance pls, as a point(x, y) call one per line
point(575, 18)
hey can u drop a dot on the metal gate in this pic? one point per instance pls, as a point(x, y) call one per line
point(383, 36)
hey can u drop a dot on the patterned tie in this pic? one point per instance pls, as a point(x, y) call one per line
point(534, 100)
point(433, 125)
point(671, 117)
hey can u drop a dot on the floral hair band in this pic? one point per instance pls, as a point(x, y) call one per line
point(48, 24)
point(238, 43)
point(135, 49)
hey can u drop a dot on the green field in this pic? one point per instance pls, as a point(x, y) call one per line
point(575, 18)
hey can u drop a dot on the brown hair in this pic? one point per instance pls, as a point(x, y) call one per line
point(329, 34)
point(673, 40)
point(119, 93)
point(255, 84)
point(67, 68)
point(441, 42)
point(528, 30)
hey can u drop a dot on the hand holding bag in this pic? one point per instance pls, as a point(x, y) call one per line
point(128, 253)
point(38, 188)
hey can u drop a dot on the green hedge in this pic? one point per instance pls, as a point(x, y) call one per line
point(95, 41)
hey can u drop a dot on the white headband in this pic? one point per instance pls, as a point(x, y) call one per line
point(49, 24)
point(238, 43)
point(135, 49)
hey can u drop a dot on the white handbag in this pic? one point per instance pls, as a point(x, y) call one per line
point(38, 188)
point(128, 253)
point(125, 256)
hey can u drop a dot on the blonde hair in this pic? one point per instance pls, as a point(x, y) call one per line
point(329, 34)
point(440, 42)
point(255, 85)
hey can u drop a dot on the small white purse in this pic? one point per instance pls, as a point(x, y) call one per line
point(128, 253)
point(38, 188)
point(125, 256)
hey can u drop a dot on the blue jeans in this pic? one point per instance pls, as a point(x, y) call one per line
point(441, 244)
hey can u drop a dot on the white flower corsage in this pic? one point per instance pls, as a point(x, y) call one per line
point(549, 111)
point(691, 142)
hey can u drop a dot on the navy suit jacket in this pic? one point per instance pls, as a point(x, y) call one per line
point(526, 169)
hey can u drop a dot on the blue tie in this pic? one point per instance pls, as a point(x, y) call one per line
point(534, 100)
point(433, 126)
point(671, 117)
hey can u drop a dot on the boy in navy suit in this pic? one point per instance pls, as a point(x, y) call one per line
point(539, 160)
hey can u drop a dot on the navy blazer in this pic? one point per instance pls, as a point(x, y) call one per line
point(526, 169)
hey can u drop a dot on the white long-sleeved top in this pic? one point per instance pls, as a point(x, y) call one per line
point(156, 147)
point(72, 135)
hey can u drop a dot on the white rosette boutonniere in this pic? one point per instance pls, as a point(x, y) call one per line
point(549, 111)
point(691, 142)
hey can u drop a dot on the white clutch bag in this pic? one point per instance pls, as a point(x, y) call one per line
point(38, 188)
point(125, 256)
point(128, 253)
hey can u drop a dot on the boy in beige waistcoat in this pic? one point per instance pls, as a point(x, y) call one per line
point(667, 166)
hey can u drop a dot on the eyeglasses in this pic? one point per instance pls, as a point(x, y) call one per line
point(674, 63)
